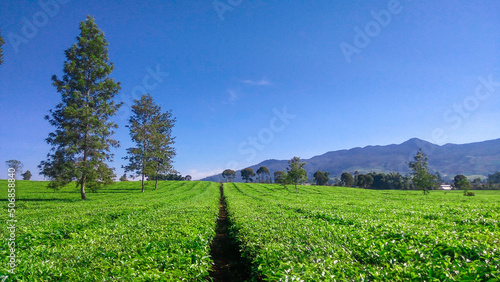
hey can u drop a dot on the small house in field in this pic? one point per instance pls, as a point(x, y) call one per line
point(445, 187)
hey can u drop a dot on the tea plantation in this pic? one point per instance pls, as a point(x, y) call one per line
point(348, 234)
point(315, 234)
point(120, 234)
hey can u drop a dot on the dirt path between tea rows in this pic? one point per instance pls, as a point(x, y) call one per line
point(228, 263)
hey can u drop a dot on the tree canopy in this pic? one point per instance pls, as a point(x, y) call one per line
point(247, 175)
point(151, 131)
point(262, 172)
point(16, 165)
point(279, 177)
point(494, 178)
point(364, 180)
point(295, 171)
point(422, 178)
point(458, 181)
point(347, 179)
point(229, 174)
point(321, 178)
point(27, 175)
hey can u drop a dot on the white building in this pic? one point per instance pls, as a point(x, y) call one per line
point(445, 187)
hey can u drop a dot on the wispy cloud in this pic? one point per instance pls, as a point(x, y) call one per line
point(262, 82)
point(236, 92)
point(233, 96)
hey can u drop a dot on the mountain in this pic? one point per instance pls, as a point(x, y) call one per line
point(473, 159)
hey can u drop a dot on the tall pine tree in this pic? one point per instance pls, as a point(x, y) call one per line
point(82, 140)
point(151, 131)
point(162, 142)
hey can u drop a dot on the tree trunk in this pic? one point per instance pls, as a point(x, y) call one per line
point(82, 188)
point(143, 165)
point(157, 175)
point(85, 152)
point(82, 181)
point(143, 183)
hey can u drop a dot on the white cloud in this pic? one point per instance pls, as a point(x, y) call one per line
point(262, 82)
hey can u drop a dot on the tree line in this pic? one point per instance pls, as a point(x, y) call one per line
point(419, 179)
point(294, 174)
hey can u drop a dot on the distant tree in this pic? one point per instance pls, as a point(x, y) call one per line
point(188, 177)
point(421, 177)
point(369, 180)
point(229, 174)
point(379, 181)
point(477, 183)
point(336, 181)
point(394, 180)
point(465, 185)
point(1, 50)
point(408, 182)
point(27, 175)
point(321, 178)
point(268, 179)
point(439, 178)
point(150, 130)
point(279, 177)
point(356, 174)
point(296, 173)
point(123, 177)
point(247, 174)
point(82, 141)
point(458, 181)
point(494, 178)
point(364, 180)
point(16, 165)
point(347, 179)
point(261, 173)
point(169, 177)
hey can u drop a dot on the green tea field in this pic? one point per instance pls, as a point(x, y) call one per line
point(315, 234)
point(348, 234)
point(120, 234)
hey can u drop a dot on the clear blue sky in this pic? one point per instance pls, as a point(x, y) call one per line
point(264, 79)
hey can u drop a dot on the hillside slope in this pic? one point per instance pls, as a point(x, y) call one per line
point(480, 158)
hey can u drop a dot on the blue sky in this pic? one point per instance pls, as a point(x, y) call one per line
point(254, 80)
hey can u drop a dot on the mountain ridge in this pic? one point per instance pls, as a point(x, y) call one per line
point(477, 158)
